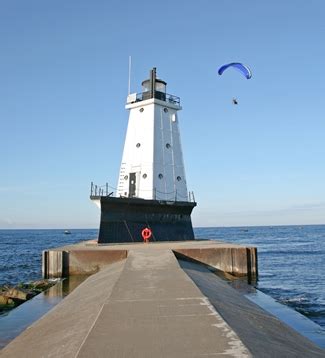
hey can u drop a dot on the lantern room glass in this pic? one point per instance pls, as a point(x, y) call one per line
point(160, 86)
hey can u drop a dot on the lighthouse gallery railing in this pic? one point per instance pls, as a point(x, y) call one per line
point(97, 191)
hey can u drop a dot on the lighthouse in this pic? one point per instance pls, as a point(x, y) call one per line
point(151, 191)
point(152, 164)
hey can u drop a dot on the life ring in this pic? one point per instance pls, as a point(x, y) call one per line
point(146, 234)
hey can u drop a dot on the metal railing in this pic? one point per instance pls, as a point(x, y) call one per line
point(100, 190)
point(97, 191)
point(158, 95)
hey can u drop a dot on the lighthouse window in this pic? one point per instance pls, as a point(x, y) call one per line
point(165, 110)
point(179, 178)
point(160, 176)
point(144, 176)
point(126, 177)
point(141, 109)
point(138, 145)
point(168, 146)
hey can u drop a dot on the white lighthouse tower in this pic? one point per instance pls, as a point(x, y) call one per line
point(152, 164)
point(152, 190)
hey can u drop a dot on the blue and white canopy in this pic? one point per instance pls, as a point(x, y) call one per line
point(238, 66)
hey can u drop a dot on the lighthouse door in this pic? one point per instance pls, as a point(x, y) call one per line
point(132, 185)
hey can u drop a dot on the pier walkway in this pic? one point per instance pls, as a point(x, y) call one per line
point(148, 306)
point(145, 306)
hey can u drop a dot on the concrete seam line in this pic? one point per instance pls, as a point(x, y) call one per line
point(99, 312)
point(90, 329)
point(259, 313)
point(237, 346)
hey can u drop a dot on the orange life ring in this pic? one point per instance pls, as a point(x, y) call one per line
point(146, 234)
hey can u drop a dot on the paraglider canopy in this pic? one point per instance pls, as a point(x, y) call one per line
point(238, 66)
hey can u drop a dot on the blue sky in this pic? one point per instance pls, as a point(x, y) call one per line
point(63, 87)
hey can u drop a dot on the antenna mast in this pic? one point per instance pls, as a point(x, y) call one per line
point(129, 87)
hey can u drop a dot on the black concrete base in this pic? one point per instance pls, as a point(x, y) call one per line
point(123, 219)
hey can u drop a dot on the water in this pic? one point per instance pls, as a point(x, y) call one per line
point(21, 251)
point(13, 322)
point(291, 259)
point(291, 263)
point(20, 261)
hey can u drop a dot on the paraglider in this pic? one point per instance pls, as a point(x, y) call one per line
point(244, 70)
point(238, 66)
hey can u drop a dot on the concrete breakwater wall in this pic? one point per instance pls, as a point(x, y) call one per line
point(151, 304)
point(89, 258)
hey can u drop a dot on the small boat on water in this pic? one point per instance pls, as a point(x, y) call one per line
point(67, 232)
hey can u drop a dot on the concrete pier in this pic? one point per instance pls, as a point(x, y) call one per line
point(152, 305)
point(89, 257)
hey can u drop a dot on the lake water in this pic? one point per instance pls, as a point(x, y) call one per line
point(291, 259)
point(291, 263)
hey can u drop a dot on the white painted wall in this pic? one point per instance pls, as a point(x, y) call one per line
point(153, 148)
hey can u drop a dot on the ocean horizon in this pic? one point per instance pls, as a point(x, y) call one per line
point(290, 258)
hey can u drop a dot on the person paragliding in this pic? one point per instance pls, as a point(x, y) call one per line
point(244, 70)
